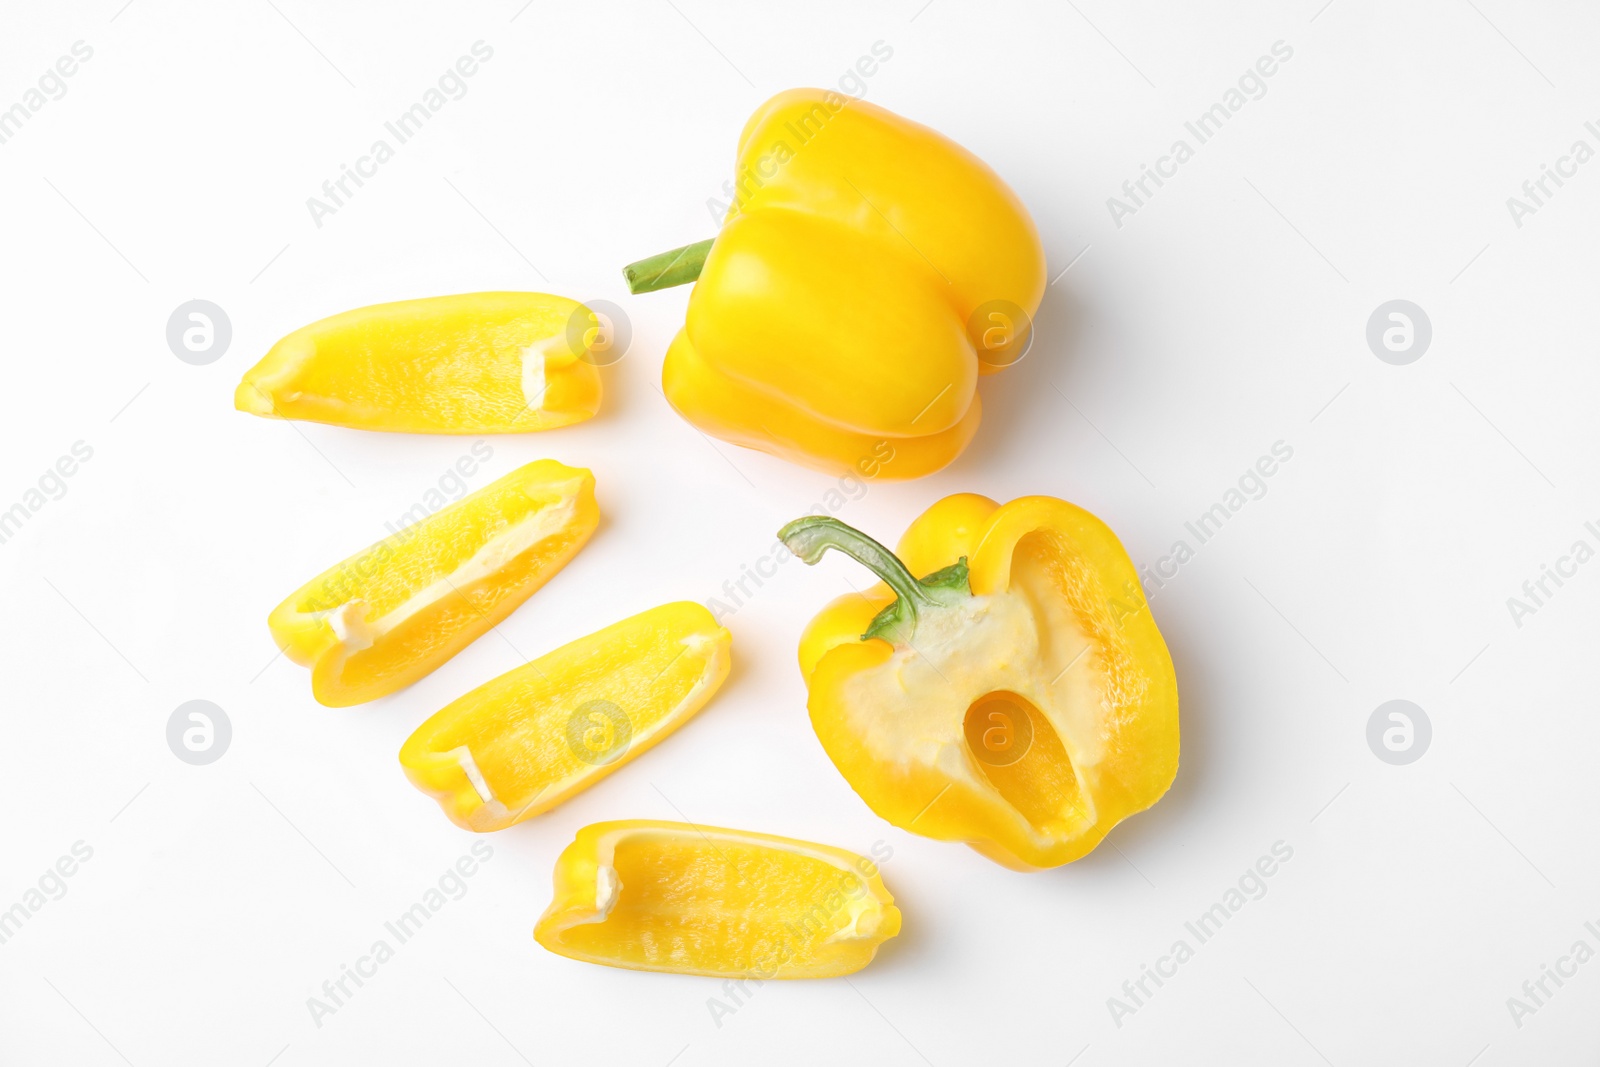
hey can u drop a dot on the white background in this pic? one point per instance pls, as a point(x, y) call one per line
point(1226, 315)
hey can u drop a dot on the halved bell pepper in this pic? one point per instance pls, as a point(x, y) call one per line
point(869, 271)
point(666, 896)
point(472, 363)
point(397, 610)
point(1018, 698)
point(524, 742)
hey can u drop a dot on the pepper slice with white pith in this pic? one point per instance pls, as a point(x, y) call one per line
point(1019, 698)
point(397, 610)
point(665, 896)
point(522, 743)
point(467, 363)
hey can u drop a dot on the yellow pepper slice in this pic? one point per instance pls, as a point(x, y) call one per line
point(540, 733)
point(869, 272)
point(397, 610)
point(473, 363)
point(1019, 698)
point(666, 896)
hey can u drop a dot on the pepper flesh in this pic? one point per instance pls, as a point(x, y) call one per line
point(526, 741)
point(395, 611)
point(664, 896)
point(471, 363)
point(852, 299)
point(1026, 717)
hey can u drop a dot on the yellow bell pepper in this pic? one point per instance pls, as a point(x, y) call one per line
point(395, 611)
point(473, 363)
point(664, 896)
point(1018, 698)
point(870, 271)
point(540, 733)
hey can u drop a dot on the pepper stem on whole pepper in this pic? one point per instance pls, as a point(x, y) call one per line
point(678, 266)
point(813, 535)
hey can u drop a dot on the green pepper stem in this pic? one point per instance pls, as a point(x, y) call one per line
point(813, 535)
point(680, 266)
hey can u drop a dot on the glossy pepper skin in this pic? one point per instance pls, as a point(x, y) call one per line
point(1019, 698)
point(868, 273)
point(501, 362)
point(397, 610)
point(522, 743)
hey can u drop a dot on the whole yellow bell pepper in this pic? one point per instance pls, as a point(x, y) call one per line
point(1019, 698)
point(868, 273)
